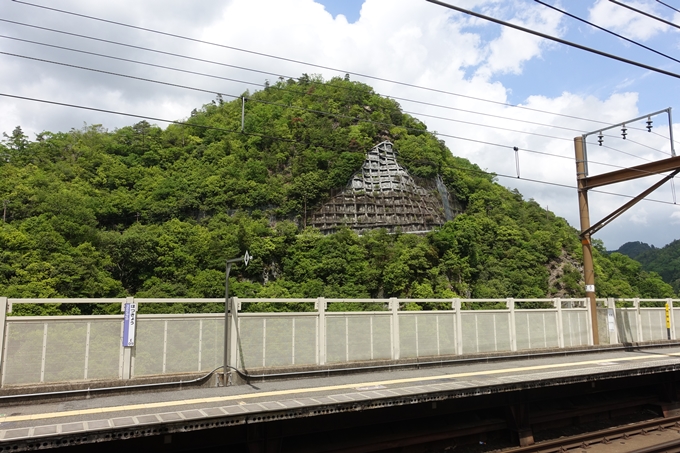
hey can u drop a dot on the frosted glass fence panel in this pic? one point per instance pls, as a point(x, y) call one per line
point(42, 350)
point(536, 329)
point(575, 326)
point(486, 331)
point(627, 325)
point(72, 348)
point(278, 340)
point(653, 324)
point(427, 334)
point(361, 336)
point(178, 344)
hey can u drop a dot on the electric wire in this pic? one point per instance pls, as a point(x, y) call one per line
point(311, 110)
point(128, 60)
point(270, 73)
point(288, 105)
point(608, 31)
point(280, 75)
point(238, 132)
point(559, 40)
point(669, 6)
point(283, 89)
point(651, 16)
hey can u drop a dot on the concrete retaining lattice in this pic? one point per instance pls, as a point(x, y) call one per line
point(382, 194)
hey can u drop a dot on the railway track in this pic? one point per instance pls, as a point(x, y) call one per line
point(659, 435)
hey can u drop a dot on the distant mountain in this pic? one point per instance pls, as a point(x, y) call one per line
point(664, 261)
point(635, 249)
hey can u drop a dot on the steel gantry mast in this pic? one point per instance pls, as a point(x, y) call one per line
point(585, 183)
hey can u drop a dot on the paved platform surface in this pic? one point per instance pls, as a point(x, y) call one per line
point(207, 407)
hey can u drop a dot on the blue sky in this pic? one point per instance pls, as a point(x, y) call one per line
point(460, 64)
point(348, 8)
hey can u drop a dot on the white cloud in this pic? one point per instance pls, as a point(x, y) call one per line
point(629, 23)
point(415, 42)
point(675, 218)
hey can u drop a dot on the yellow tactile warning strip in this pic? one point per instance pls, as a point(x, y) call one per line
point(164, 404)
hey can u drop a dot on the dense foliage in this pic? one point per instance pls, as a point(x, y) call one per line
point(665, 261)
point(155, 212)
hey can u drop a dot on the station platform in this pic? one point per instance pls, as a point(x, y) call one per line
point(163, 413)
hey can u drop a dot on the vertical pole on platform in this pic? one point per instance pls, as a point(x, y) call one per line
point(670, 306)
point(3, 324)
point(557, 302)
point(584, 214)
point(396, 346)
point(668, 321)
point(127, 350)
point(510, 303)
point(321, 338)
point(230, 322)
point(227, 322)
point(458, 307)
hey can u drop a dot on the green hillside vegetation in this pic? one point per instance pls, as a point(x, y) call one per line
point(154, 212)
point(665, 261)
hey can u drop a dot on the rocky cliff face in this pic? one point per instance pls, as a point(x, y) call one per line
point(382, 194)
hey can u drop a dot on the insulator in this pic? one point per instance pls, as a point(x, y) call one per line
point(600, 138)
point(623, 131)
point(649, 124)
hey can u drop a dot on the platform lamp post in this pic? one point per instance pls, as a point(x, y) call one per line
point(229, 312)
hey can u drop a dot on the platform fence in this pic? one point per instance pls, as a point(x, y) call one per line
point(45, 349)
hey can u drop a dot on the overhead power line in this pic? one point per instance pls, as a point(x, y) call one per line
point(239, 132)
point(233, 96)
point(608, 31)
point(266, 55)
point(278, 75)
point(553, 38)
point(639, 11)
point(669, 6)
point(71, 49)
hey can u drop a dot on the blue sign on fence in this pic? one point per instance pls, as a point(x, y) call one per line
point(129, 324)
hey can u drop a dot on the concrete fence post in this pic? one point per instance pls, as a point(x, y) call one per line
point(3, 329)
point(236, 361)
point(638, 319)
point(670, 307)
point(459, 326)
point(611, 319)
point(396, 345)
point(589, 321)
point(321, 309)
point(557, 302)
point(513, 324)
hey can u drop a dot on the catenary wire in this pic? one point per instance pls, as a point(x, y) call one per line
point(277, 57)
point(301, 108)
point(237, 132)
point(282, 105)
point(553, 38)
point(284, 76)
point(283, 89)
point(651, 16)
point(608, 31)
point(669, 6)
point(143, 79)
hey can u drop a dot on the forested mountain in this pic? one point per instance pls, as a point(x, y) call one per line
point(665, 260)
point(155, 212)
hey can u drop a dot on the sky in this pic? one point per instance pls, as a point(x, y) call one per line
point(483, 88)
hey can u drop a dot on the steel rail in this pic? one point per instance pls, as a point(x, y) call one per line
point(605, 436)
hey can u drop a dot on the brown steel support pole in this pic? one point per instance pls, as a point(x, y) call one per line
point(584, 214)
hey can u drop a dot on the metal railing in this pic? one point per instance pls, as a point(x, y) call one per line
point(41, 349)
